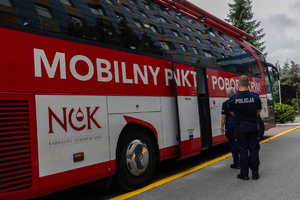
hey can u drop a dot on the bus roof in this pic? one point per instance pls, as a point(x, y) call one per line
point(187, 8)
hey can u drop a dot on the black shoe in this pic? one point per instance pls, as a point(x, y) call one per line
point(243, 177)
point(235, 166)
point(255, 177)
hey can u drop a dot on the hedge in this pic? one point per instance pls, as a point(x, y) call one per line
point(284, 113)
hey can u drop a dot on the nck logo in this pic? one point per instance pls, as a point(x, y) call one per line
point(82, 119)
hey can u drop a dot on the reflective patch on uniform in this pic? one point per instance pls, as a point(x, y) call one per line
point(244, 100)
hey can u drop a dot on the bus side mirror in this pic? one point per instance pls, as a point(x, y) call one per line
point(273, 71)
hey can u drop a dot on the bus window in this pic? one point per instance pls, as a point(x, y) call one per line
point(243, 64)
point(116, 24)
point(8, 12)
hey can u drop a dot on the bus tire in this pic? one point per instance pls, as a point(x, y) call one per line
point(136, 159)
point(261, 127)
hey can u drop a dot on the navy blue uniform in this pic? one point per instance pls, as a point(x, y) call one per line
point(245, 105)
point(230, 133)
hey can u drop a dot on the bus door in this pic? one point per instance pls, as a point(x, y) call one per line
point(204, 108)
point(188, 109)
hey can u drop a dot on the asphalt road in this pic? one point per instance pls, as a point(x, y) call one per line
point(279, 169)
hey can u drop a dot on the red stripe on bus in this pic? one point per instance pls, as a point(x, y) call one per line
point(190, 148)
point(219, 140)
point(83, 69)
point(169, 152)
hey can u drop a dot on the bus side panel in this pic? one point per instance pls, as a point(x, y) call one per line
point(215, 112)
point(159, 112)
point(56, 182)
point(144, 109)
point(265, 108)
point(170, 128)
point(73, 141)
point(18, 155)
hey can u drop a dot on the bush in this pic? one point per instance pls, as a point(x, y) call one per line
point(284, 113)
point(294, 104)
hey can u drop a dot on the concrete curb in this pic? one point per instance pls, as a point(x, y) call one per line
point(295, 123)
point(289, 124)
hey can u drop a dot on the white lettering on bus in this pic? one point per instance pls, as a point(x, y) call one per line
point(73, 62)
point(168, 76)
point(101, 71)
point(194, 77)
point(232, 82)
point(104, 72)
point(184, 78)
point(214, 81)
point(224, 83)
point(154, 73)
point(180, 77)
point(144, 76)
point(221, 83)
point(39, 55)
point(117, 80)
point(125, 79)
point(176, 77)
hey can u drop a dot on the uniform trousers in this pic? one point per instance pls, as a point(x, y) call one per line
point(248, 145)
point(230, 134)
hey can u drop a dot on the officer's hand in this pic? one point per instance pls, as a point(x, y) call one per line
point(222, 131)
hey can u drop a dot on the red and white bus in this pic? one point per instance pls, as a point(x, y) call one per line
point(100, 89)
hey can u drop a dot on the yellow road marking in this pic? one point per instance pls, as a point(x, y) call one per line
point(181, 174)
point(276, 136)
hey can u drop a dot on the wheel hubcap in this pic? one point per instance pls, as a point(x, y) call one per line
point(137, 157)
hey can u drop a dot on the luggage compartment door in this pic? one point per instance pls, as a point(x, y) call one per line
point(188, 110)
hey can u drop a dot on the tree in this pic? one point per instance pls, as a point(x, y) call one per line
point(290, 83)
point(240, 15)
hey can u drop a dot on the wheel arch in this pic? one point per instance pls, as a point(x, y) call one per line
point(123, 179)
point(131, 120)
point(134, 123)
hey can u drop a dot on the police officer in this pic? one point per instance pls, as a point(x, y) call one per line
point(246, 106)
point(228, 121)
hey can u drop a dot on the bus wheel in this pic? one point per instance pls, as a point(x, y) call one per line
point(136, 158)
point(261, 127)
